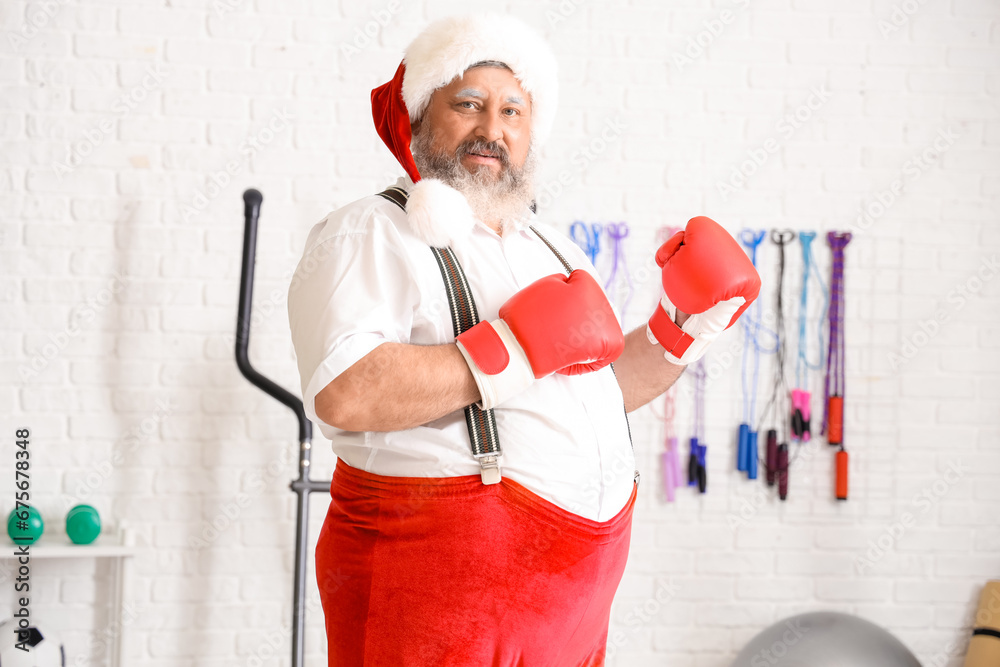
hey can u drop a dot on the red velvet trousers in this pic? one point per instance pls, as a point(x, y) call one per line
point(448, 571)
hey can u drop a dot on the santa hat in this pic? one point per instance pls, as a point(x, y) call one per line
point(438, 213)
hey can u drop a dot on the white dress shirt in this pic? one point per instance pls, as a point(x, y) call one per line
point(366, 279)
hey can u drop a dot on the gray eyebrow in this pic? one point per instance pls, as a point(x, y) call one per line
point(478, 94)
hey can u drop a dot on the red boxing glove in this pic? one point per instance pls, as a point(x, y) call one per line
point(558, 323)
point(707, 275)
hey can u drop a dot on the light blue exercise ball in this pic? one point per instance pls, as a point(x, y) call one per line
point(825, 639)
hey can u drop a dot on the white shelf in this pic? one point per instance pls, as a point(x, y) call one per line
point(59, 546)
point(118, 545)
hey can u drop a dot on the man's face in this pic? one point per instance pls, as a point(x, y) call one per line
point(483, 118)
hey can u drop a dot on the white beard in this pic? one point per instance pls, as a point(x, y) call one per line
point(497, 200)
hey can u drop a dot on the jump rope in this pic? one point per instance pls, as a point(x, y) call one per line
point(754, 334)
point(801, 396)
point(776, 455)
point(697, 471)
point(834, 388)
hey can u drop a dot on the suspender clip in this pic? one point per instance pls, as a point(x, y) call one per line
point(490, 468)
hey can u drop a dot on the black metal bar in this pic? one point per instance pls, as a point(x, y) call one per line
point(302, 486)
point(252, 200)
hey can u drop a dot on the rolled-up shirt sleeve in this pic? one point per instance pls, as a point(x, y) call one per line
point(352, 291)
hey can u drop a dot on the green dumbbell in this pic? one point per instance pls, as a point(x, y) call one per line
point(83, 524)
point(25, 530)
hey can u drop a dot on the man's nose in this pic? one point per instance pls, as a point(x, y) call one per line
point(489, 128)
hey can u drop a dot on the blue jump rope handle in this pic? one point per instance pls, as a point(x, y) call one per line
point(752, 456)
point(742, 448)
point(702, 470)
point(693, 463)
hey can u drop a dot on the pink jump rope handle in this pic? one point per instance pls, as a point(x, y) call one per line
point(671, 469)
point(800, 404)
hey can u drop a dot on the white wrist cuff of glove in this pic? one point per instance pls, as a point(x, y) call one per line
point(703, 328)
point(513, 379)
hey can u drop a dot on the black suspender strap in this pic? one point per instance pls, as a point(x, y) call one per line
point(482, 424)
point(397, 196)
point(566, 265)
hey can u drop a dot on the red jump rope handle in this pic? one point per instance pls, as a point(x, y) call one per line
point(782, 473)
point(835, 420)
point(841, 475)
point(771, 457)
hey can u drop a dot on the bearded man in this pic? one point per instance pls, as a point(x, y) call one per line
point(457, 351)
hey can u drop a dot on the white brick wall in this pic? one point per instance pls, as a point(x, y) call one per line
point(148, 378)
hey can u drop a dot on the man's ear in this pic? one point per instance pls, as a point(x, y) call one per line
point(414, 127)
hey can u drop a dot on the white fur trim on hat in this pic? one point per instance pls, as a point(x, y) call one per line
point(439, 215)
point(446, 48)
